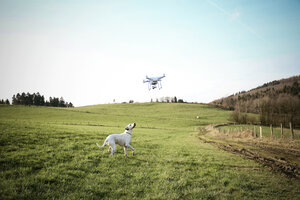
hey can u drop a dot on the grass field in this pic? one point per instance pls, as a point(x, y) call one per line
point(50, 153)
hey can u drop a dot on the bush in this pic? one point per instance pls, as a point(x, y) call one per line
point(242, 118)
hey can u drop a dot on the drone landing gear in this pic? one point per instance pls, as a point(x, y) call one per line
point(159, 85)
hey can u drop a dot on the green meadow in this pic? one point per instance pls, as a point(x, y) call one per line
point(50, 153)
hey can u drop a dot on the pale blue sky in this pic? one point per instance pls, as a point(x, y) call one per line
point(92, 52)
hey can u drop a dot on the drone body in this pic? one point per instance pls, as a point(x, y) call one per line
point(154, 82)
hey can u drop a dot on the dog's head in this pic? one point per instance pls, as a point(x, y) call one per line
point(130, 126)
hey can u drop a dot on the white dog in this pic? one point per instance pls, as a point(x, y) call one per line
point(122, 139)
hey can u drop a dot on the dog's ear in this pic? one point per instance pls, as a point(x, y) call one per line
point(134, 124)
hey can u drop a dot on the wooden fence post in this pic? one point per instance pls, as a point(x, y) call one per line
point(260, 132)
point(271, 129)
point(292, 130)
point(254, 133)
point(281, 129)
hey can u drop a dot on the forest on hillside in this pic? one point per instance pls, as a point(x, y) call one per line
point(276, 102)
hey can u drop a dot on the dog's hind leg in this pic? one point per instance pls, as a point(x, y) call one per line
point(113, 149)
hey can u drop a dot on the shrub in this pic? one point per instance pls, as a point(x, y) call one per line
point(242, 118)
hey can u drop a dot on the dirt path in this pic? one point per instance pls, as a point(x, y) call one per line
point(284, 158)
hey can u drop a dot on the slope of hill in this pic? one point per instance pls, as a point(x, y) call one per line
point(289, 86)
point(275, 101)
point(50, 153)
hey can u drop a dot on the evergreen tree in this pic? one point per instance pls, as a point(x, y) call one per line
point(70, 105)
point(295, 88)
point(61, 102)
point(38, 100)
point(14, 100)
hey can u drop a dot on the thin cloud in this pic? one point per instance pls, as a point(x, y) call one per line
point(235, 16)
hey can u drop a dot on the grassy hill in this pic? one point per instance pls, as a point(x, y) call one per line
point(50, 153)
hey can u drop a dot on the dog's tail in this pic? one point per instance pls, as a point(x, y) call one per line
point(102, 145)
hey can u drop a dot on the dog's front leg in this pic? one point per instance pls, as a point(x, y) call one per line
point(125, 151)
point(131, 149)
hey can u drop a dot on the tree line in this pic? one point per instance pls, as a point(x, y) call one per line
point(36, 99)
point(168, 100)
point(2, 101)
point(283, 109)
point(275, 107)
point(160, 100)
point(280, 110)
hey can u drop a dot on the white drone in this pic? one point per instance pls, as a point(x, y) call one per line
point(154, 82)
